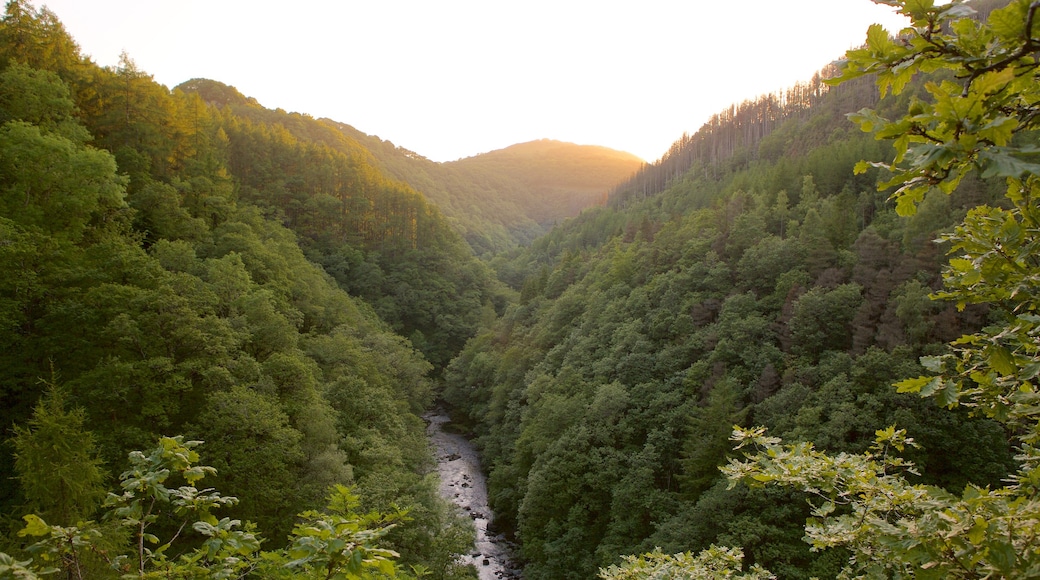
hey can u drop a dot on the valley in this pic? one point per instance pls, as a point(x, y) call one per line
point(801, 344)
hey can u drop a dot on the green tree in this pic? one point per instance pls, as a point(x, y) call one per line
point(52, 183)
point(36, 38)
point(822, 320)
point(707, 443)
point(709, 564)
point(40, 98)
point(58, 468)
point(980, 119)
point(257, 455)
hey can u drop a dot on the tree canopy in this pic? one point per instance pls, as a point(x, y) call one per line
point(144, 277)
point(981, 117)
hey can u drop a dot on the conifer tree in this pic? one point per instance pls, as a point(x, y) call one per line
point(57, 464)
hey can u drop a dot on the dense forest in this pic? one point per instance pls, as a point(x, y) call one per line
point(781, 293)
point(162, 274)
point(755, 276)
point(507, 198)
point(689, 375)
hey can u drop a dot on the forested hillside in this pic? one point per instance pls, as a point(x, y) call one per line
point(154, 280)
point(559, 179)
point(378, 237)
point(509, 197)
point(184, 265)
point(751, 278)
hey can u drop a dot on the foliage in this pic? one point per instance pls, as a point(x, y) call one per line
point(774, 286)
point(56, 459)
point(137, 267)
point(710, 564)
point(340, 543)
point(896, 528)
point(970, 121)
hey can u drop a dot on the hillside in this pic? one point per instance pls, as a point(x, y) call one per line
point(158, 276)
point(377, 236)
point(677, 356)
point(505, 198)
point(750, 278)
point(560, 179)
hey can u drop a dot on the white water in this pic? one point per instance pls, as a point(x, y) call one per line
point(462, 482)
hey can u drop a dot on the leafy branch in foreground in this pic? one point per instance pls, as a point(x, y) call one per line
point(336, 544)
point(892, 527)
point(710, 564)
point(970, 122)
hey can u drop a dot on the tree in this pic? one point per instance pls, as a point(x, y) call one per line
point(52, 183)
point(980, 118)
point(257, 454)
point(58, 467)
point(48, 177)
point(982, 114)
point(39, 97)
point(706, 444)
point(709, 564)
point(822, 320)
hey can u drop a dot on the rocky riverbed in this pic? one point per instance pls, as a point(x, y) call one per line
point(463, 483)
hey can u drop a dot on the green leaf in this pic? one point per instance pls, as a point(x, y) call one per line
point(34, 526)
point(913, 385)
point(1003, 556)
point(878, 39)
point(949, 394)
point(958, 11)
point(977, 533)
point(917, 8)
point(999, 131)
point(933, 385)
point(932, 363)
point(1008, 23)
point(1030, 371)
point(1003, 165)
point(906, 204)
point(993, 81)
point(1001, 360)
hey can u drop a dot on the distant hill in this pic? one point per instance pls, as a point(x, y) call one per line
point(507, 197)
point(559, 179)
point(495, 205)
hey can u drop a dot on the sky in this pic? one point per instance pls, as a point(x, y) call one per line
point(454, 78)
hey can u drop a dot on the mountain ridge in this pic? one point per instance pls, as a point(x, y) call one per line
point(493, 202)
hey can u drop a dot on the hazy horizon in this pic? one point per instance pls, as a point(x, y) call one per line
point(462, 77)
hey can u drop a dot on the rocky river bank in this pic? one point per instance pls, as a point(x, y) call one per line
point(463, 483)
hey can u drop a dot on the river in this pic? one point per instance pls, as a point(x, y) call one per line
point(463, 483)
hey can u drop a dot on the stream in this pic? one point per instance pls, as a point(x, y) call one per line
point(463, 483)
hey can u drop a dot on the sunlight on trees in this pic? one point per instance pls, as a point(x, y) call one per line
point(982, 121)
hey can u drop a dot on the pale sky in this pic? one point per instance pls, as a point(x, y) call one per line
point(453, 78)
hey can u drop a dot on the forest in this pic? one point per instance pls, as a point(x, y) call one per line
point(507, 198)
point(801, 344)
point(246, 278)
